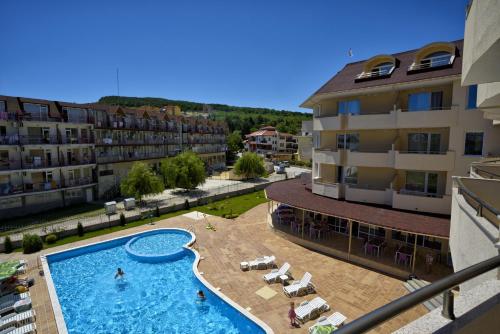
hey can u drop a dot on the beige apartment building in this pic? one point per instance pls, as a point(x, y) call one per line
point(305, 142)
point(269, 142)
point(46, 155)
point(55, 153)
point(394, 129)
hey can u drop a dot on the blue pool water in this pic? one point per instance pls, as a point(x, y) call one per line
point(152, 298)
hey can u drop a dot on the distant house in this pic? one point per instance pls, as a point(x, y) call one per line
point(269, 142)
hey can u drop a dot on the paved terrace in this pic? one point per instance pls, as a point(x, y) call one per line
point(349, 289)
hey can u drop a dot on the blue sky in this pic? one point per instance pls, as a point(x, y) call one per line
point(250, 53)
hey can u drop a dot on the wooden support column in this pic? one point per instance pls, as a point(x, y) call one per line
point(303, 221)
point(350, 239)
point(414, 255)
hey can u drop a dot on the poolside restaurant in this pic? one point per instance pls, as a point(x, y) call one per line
point(395, 242)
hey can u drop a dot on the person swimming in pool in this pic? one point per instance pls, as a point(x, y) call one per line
point(119, 273)
point(201, 295)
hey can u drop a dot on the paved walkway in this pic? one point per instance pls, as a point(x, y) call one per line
point(349, 289)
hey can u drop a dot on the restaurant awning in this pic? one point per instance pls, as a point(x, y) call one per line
point(297, 194)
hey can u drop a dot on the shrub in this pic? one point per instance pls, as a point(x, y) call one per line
point(51, 238)
point(123, 220)
point(32, 243)
point(157, 211)
point(186, 205)
point(7, 244)
point(79, 229)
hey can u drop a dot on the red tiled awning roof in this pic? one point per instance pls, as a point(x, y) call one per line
point(294, 193)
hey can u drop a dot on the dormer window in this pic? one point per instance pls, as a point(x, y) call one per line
point(377, 67)
point(432, 56)
point(38, 112)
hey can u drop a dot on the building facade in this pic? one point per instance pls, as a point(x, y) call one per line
point(305, 142)
point(271, 143)
point(394, 129)
point(475, 217)
point(54, 153)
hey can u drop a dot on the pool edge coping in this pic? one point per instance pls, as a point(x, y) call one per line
point(56, 306)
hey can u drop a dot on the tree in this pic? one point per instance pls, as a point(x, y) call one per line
point(250, 165)
point(185, 171)
point(141, 181)
point(234, 145)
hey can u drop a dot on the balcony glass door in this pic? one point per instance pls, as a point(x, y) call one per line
point(425, 101)
point(421, 182)
point(349, 141)
point(424, 143)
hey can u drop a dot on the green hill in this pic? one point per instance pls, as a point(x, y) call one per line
point(245, 119)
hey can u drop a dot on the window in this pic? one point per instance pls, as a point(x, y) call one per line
point(338, 225)
point(349, 107)
point(424, 142)
point(472, 97)
point(37, 111)
point(351, 175)
point(382, 69)
point(2, 106)
point(422, 182)
point(75, 115)
point(436, 59)
point(317, 111)
point(425, 101)
point(349, 141)
point(473, 143)
point(367, 231)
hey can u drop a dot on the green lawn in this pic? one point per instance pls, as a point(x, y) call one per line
point(235, 205)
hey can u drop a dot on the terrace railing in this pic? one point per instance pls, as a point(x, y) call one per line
point(444, 286)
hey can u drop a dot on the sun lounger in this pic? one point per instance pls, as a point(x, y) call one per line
point(261, 263)
point(17, 306)
point(26, 329)
point(13, 297)
point(12, 319)
point(337, 319)
point(297, 288)
point(308, 310)
point(274, 275)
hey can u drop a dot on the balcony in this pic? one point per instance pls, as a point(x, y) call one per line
point(9, 116)
point(416, 201)
point(27, 117)
point(7, 165)
point(442, 117)
point(368, 194)
point(383, 120)
point(77, 182)
point(38, 162)
point(327, 188)
point(38, 140)
point(370, 159)
point(428, 161)
point(77, 140)
point(9, 140)
point(334, 122)
point(329, 156)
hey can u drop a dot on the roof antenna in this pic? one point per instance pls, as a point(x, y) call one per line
point(118, 84)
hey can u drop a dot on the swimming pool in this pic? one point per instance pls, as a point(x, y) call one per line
point(153, 297)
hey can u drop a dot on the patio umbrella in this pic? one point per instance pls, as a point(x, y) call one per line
point(8, 269)
point(324, 329)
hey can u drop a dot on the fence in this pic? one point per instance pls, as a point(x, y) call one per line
point(165, 203)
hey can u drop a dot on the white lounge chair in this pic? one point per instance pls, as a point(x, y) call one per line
point(337, 319)
point(26, 329)
point(13, 297)
point(308, 310)
point(12, 319)
point(16, 305)
point(297, 288)
point(274, 275)
point(265, 262)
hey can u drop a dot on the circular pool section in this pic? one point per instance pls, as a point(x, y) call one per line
point(159, 245)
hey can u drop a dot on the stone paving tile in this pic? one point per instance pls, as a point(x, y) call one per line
point(349, 289)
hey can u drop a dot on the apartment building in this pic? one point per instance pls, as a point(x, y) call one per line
point(393, 130)
point(269, 142)
point(46, 154)
point(124, 136)
point(55, 153)
point(475, 217)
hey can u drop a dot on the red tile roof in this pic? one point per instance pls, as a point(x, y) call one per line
point(295, 193)
point(344, 80)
